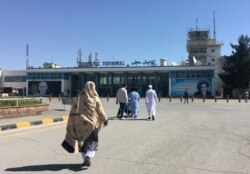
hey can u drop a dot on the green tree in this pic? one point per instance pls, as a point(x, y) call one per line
point(236, 73)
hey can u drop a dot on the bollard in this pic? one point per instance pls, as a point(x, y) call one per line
point(41, 100)
point(159, 98)
point(203, 99)
point(215, 99)
point(49, 98)
point(181, 98)
point(59, 97)
point(107, 97)
point(227, 98)
point(170, 98)
point(239, 99)
point(192, 99)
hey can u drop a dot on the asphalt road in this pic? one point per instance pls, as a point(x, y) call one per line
point(194, 138)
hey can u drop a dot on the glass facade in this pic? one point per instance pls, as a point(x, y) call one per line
point(15, 79)
point(192, 74)
point(107, 83)
point(48, 76)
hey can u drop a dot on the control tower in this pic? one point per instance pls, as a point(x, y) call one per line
point(201, 48)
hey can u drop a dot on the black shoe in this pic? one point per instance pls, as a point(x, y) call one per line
point(86, 162)
point(153, 117)
point(149, 118)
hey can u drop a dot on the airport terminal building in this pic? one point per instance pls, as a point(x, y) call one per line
point(202, 67)
point(166, 80)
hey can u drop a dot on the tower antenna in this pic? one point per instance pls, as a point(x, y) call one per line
point(96, 60)
point(214, 24)
point(27, 56)
point(196, 24)
point(79, 58)
point(80, 55)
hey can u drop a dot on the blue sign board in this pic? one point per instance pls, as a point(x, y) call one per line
point(196, 87)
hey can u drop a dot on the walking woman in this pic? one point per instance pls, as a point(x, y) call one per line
point(85, 121)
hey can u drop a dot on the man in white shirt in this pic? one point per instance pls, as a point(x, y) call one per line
point(151, 98)
point(122, 99)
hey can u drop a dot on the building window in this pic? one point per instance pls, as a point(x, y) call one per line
point(103, 80)
point(15, 79)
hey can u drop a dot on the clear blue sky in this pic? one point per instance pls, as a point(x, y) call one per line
point(117, 29)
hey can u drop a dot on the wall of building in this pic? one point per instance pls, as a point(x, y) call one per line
point(66, 87)
point(213, 53)
point(13, 81)
point(13, 73)
point(218, 84)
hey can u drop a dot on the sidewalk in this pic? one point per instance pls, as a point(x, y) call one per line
point(57, 112)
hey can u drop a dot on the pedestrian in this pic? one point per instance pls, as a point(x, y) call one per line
point(85, 120)
point(151, 98)
point(134, 102)
point(246, 95)
point(122, 99)
point(186, 96)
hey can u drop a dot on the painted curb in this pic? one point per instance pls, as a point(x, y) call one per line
point(33, 123)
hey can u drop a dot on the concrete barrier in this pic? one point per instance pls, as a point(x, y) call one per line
point(32, 123)
point(18, 111)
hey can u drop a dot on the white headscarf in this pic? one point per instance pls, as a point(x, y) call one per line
point(90, 90)
point(150, 86)
point(88, 99)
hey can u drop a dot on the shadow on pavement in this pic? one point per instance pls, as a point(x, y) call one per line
point(128, 119)
point(48, 167)
point(59, 109)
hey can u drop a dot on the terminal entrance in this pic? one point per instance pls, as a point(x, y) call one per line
point(107, 84)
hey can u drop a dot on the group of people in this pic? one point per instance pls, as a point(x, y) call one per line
point(130, 102)
point(87, 116)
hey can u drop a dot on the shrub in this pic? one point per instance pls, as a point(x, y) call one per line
point(21, 102)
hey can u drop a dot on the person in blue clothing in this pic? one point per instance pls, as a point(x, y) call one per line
point(134, 102)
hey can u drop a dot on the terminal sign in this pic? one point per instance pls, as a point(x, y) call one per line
point(89, 64)
point(113, 63)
